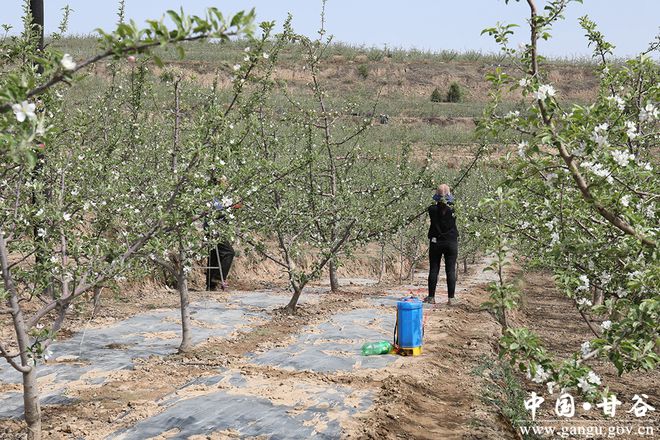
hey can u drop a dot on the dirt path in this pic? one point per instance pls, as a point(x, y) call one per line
point(437, 396)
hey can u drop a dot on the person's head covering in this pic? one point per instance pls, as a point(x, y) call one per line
point(443, 190)
point(443, 193)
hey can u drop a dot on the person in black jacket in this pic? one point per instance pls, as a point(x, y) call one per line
point(443, 238)
point(221, 255)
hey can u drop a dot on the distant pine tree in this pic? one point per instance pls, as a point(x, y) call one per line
point(436, 96)
point(455, 93)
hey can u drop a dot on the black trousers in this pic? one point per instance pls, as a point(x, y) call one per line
point(450, 252)
point(220, 256)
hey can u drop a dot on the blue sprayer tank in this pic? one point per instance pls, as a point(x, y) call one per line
point(409, 325)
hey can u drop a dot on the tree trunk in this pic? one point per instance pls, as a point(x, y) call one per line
point(291, 307)
point(31, 404)
point(411, 272)
point(97, 300)
point(31, 407)
point(400, 268)
point(182, 287)
point(382, 263)
point(503, 320)
point(598, 296)
point(334, 280)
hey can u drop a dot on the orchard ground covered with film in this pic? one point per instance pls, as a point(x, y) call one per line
point(303, 371)
point(126, 157)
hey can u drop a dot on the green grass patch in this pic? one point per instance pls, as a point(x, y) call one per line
point(503, 390)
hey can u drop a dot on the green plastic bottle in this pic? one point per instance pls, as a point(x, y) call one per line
point(371, 348)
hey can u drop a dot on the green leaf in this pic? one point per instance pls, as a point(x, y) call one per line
point(159, 61)
point(176, 18)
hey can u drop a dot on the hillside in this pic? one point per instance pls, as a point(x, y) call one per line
point(398, 83)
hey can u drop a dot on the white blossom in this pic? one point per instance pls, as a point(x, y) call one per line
point(596, 168)
point(584, 385)
point(600, 139)
point(593, 378)
point(524, 82)
point(579, 150)
point(625, 200)
point(605, 278)
point(24, 110)
point(616, 99)
point(66, 216)
point(601, 127)
point(555, 237)
point(237, 66)
point(646, 166)
point(584, 283)
point(650, 211)
point(545, 91)
point(265, 55)
point(648, 113)
point(522, 148)
point(622, 157)
point(67, 62)
point(631, 130)
point(606, 325)
point(541, 375)
point(585, 348)
point(584, 301)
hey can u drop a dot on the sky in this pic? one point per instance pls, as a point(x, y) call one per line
point(430, 25)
